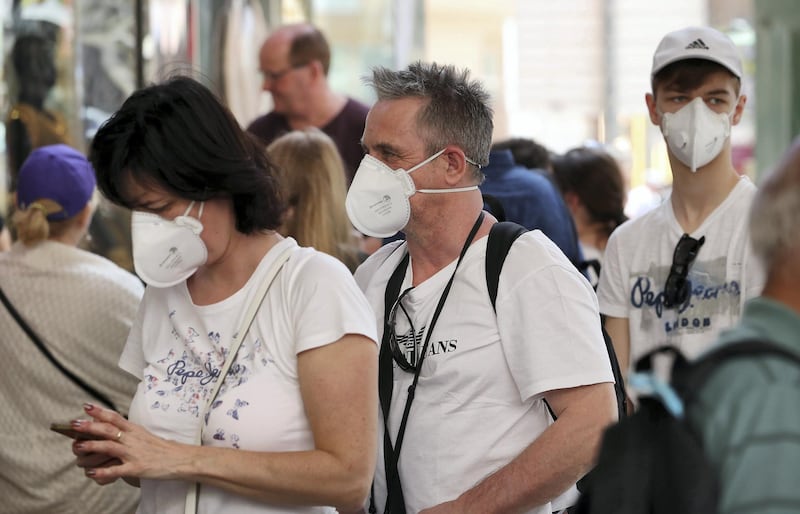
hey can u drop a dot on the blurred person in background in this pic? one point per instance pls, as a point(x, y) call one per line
point(648, 195)
point(530, 199)
point(81, 306)
point(312, 180)
point(30, 122)
point(5, 235)
point(294, 62)
point(747, 412)
point(528, 153)
point(591, 183)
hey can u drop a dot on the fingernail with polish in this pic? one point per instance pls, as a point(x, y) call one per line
point(87, 407)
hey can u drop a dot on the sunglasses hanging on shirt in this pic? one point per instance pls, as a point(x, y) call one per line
point(678, 286)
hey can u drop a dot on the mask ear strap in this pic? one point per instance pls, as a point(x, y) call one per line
point(199, 213)
point(426, 161)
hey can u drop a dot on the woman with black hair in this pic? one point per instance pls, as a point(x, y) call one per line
point(257, 357)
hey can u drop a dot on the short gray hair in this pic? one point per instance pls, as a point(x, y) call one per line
point(775, 213)
point(457, 112)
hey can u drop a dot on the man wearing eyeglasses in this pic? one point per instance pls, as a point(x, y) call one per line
point(464, 391)
point(681, 273)
point(294, 62)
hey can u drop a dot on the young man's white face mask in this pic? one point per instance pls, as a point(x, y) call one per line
point(377, 201)
point(696, 134)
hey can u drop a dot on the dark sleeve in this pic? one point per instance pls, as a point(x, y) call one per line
point(269, 127)
point(346, 131)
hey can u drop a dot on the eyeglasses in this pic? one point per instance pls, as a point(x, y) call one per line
point(678, 288)
point(405, 344)
point(274, 76)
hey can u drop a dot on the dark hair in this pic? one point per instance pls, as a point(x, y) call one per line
point(527, 153)
point(177, 135)
point(34, 64)
point(595, 177)
point(689, 74)
point(457, 111)
point(310, 45)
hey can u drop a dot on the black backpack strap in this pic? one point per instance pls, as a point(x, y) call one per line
point(689, 378)
point(91, 391)
point(501, 236)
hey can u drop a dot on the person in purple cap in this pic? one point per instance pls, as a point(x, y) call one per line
point(681, 273)
point(81, 306)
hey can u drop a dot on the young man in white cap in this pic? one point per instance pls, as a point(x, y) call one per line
point(682, 272)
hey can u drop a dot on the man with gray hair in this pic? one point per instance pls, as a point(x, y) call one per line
point(464, 391)
point(748, 411)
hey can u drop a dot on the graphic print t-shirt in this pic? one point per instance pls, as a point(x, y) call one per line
point(178, 348)
point(724, 274)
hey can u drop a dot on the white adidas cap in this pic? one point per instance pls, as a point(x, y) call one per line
point(697, 43)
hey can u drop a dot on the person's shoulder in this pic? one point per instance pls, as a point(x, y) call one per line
point(745, 187)
point(650, 222)
point(534, 249)
point(357, 106)
point(379, 258)
point(268, 126)
point(108, 271)
point(307, 263)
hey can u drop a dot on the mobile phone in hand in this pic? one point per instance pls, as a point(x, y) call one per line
point(67, 430)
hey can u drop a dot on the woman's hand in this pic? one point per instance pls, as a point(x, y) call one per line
point(124, 449)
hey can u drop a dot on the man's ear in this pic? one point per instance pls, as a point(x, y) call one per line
point(457, 165)
point(655, 117)
point(316, 69)
point(739, 109)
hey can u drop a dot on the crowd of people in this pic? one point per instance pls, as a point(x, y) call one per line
point(309, 328)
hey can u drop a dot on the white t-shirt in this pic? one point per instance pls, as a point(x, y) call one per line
point(479, 401)
point(725, 273)
point(178, 348)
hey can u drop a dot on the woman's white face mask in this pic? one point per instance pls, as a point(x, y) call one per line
point(167, 252)
point(696, 134)
point(377, 201)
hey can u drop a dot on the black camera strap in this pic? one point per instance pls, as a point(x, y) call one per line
point(395, 502)
point(40, 345)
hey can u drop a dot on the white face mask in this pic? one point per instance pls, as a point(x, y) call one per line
point(167, 252)
point(695, 134)
point(377, 201)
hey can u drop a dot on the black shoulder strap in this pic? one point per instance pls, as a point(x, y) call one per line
point(689, 378)
point(42, 348)
point(501, 236)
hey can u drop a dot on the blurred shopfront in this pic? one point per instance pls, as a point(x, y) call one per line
point(563, 73)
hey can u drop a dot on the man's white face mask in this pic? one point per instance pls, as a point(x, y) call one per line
point(695, 134)
point(377, 201)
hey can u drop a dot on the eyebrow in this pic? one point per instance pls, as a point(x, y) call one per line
point(716, 92)
point(719, 92)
